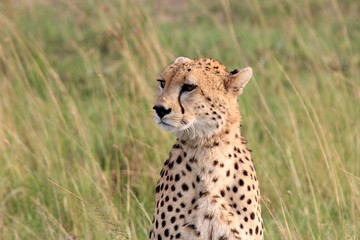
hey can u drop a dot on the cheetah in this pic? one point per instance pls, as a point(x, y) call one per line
point(208, 188)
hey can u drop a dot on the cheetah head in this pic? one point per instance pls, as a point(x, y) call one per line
point(197, 98)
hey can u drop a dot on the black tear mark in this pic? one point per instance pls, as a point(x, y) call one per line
point(182, 108)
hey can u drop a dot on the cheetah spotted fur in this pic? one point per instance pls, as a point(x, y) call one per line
point(208, 187)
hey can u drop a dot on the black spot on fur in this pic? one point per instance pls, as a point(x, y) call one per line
point(222, 192)
point(185, 187)
point(241, 182)
point(188, 167)
point(178, 160)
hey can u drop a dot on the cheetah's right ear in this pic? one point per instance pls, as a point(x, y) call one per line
point(181, 60)
point(237, 80)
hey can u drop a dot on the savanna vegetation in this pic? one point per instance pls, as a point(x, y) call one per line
point(80, 154)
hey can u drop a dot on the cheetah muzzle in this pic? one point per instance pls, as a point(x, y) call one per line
point(208, 188)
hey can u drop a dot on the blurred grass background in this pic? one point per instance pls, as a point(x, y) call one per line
point(77, 84)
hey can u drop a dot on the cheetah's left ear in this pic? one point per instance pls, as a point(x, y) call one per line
point(237, 80)
point(181, 60)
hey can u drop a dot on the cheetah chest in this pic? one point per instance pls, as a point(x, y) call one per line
point(207, 195)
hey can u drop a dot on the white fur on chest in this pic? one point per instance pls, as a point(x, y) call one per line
point(203, 189)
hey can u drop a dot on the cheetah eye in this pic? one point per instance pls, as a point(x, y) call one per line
point(188, 87)
point(162, 83)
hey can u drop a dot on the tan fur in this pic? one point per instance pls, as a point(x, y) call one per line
point(208, 187)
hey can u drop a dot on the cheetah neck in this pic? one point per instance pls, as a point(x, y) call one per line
point(230, 133)
point(219, 157)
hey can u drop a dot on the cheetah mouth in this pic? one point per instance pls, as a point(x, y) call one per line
point(165, 124)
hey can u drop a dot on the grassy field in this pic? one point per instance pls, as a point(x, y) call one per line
point(80, 154)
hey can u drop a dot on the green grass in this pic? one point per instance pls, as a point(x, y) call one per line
point(77, 84)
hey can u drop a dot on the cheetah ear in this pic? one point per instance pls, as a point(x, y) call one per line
point(237, 80)
point(181, 60)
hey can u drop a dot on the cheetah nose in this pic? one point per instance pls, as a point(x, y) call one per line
point(161, 111)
